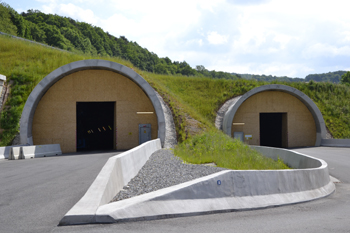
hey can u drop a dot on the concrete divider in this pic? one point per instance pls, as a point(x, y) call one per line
point(224, 191)
point(15, 153)
point(336, 142)
point(25, 152)
point(38, 151)
point(115, 174)
point(5, 151)
point(229, 190)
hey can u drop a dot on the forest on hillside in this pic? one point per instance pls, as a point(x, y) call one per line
point(69, 34)
point(270, 78)
point(332, 77)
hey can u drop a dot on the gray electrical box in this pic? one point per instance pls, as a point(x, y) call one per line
point(239, 135)
point(144, 133)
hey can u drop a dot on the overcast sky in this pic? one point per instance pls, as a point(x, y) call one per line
point(284, 38)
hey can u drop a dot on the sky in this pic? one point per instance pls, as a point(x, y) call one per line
point(291, 38)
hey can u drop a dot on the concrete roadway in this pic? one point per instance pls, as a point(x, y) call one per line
point(331, 214)
point(36, 193)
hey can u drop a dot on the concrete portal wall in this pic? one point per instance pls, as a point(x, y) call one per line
point(2, 81)
point(301, 126)
point(55, 116)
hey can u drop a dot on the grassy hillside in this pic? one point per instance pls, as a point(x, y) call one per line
point(193, 100)
point(198, 98)
point(204, 96)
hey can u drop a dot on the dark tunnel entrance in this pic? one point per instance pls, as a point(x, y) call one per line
point(273, 130)
point(95, 124)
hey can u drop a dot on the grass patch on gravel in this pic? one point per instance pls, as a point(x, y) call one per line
point(216, 147)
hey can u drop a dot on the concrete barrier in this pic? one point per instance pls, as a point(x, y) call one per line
point(229, 190)
point(115, 174)
point(41, 151)
point(15, 153)
point(336, 142)
point(29, 151)
point(5, 151)
point(224, 191)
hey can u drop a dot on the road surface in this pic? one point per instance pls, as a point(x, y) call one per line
point(35, 196)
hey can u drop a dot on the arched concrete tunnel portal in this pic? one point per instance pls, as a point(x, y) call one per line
point(276, 116)
point(92, 105)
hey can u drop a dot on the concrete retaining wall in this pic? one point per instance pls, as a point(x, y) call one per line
point(224, 191)
point(115, 174)
point(336, 142)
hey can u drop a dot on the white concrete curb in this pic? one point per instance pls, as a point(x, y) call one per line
point(152, 206)
point(224, 191)
point(115, 174)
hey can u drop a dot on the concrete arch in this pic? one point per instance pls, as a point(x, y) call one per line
point(319, 121)
point(26, 137)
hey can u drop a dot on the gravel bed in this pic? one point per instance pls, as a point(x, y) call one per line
point(163, 170)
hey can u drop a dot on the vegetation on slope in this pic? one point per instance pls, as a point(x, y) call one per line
point(204, 97)
point(345, 78)
point(216, 147)
point(333, 77)
point(25, 64)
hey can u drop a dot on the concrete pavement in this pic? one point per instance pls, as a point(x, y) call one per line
point(338, 160)
point(42, 213)
point(36, 193)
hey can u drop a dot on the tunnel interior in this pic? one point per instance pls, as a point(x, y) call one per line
point(273, 130)
point(95, 124)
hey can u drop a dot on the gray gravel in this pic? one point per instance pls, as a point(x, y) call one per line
point(163, 170)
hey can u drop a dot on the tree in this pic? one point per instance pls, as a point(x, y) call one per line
point(345, 78)
point(161, 68)
point(167, 60)
point(187, 70)
point(200, 68)
point(6, 24)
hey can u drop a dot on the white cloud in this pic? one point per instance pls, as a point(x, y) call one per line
point(215, 38)
point(78, 13)
point(325, 50)
point(254, 36)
